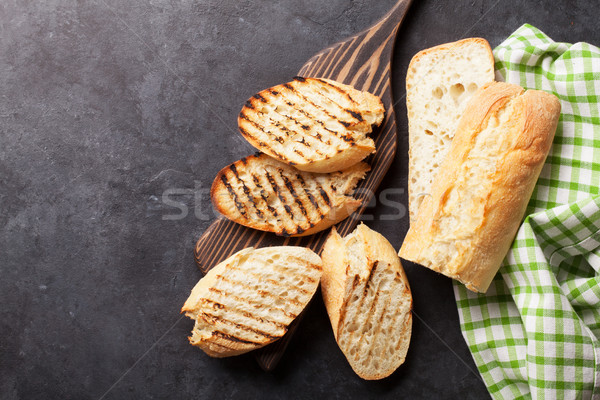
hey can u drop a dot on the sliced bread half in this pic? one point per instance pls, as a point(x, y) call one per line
point(263, 193)
point(249, 300)
point(315, 124)
point(368, 300)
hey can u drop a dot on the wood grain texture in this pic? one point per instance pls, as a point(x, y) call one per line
point(363, 61)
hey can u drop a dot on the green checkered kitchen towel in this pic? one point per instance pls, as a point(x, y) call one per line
point(536, 332)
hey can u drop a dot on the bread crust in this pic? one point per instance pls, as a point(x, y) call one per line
point(467, 225)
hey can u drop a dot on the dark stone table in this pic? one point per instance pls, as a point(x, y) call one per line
point(114, 118)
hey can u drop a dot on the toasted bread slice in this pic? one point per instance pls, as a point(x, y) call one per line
point(439, 83)
point(263, 193)
point(249, 300)
point(368, 299)
point(314, 124)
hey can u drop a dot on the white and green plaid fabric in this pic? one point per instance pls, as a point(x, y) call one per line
point(536, 332)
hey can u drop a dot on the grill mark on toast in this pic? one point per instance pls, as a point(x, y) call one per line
point(311, 198)
point(324, 195)
point(361, 304)
point(272, 281)
point(219, 306)
point(378, 325)
point(344, 308)
point(354, 114)
point(289, 133)
point(277, 190)
point(214, 319)
point(328, 100)
point(270, 195)
point(259, 127)
point(290, 186)
point(262, 195)
point(233, 195)
point(359, 310)
point(313, 149)
point(370, 282)
point(306, 264)
point(371, 272)
point(338, 89)
point(254, 304)
point(300, 154)
point(261, 144)
point(314, 119)
point(321, 108)
point(259, 96)
point(262, 293)
point(246, 190)
point(234, 339)
point(317, 135)
point(397, 315)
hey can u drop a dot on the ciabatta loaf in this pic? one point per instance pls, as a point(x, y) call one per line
point(248, 300)
point(466, 226)
point(314, 124)
point(439, 83)
point(368, 300)
point(263, 193)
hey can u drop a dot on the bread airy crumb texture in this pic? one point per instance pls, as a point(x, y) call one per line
point(467, 225)
point(249, 300)
point(315, 124)
point(263, 193)
point(439, 83)
point(368, 299)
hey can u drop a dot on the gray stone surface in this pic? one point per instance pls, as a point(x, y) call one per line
point(107, 107)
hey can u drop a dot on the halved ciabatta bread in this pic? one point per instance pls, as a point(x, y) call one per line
point(467, 225)
point(368, 300)
point(439, 83)
point(263, 193)
point(315, 124)
point(249, 300)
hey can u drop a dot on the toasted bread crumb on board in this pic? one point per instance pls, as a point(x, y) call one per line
point(263, 193)
point(315, 124)
point(248, 300)
point(368, 299)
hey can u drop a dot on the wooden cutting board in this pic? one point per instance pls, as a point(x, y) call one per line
point(363, 61)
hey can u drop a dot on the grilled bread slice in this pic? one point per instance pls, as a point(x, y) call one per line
point(263, 193)
point(249, 300)
point(317, 125)
point(439, 83)
point(368, 300)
